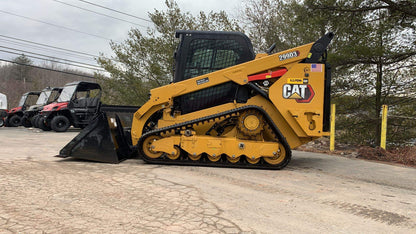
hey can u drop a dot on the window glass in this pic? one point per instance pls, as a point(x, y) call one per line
point(31, 100)
point(54, 95)
point(67, 93)
point(22, 100)
point(43, 97)
point(81, 94)
point(94, 93)
point(225, 58)
point(210, 55)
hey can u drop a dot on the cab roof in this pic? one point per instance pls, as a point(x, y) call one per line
point(85, 84)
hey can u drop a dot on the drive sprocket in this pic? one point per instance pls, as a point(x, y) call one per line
point(250, 123)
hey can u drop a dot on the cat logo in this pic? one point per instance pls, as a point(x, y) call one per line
point(302, 93)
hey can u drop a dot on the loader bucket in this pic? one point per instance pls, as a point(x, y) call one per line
point(106, 138)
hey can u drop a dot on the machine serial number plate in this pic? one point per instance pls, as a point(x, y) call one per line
point(202, 81)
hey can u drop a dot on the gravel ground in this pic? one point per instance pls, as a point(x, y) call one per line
point(315, 193)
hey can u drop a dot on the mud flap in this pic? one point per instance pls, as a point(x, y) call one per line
point(106, 138)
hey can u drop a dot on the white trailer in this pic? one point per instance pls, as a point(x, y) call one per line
point(3, 102)
point(3, 108)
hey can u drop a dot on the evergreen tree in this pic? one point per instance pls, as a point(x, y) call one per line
point(288, 23)
point(145, 61)
point(372, 55)
point(21, 71)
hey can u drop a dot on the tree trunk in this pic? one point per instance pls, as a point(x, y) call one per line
point(377, 107)
point(379, 85)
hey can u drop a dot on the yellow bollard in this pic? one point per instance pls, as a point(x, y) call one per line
point(332, 134)
point(384, 127)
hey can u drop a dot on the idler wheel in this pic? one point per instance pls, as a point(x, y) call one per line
point(147, 147)
point(278, 157)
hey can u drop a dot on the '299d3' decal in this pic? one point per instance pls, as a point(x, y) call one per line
point(289, 55)
point(302, 93)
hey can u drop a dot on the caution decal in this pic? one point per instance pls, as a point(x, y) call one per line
point(297, 81)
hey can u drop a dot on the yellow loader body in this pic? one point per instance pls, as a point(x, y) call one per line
point(227, 107)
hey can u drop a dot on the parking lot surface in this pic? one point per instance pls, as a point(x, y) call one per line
point(40, 193)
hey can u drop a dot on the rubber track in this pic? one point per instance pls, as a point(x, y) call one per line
point(223, 162)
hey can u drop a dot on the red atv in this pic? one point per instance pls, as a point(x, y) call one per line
point(77, 105)
point(14, 116)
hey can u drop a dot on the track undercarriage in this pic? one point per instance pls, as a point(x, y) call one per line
point(242, 137)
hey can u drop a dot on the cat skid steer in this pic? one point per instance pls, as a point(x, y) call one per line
point(226, 107)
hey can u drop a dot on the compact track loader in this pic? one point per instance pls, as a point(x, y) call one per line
point(225, 107)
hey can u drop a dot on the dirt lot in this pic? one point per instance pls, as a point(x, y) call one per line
point(315, 193)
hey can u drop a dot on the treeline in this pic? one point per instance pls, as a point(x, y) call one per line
point(372, 56)
point(16, 79)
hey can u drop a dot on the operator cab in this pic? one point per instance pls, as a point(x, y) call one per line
point(43, 100)
point(44, 96)
point(202, 52)
point(28, 99)
point(56, 91)
point(81, 94)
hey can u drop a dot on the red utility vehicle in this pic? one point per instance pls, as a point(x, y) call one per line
point(14, 116)
point(47, 96)
point(77, 105)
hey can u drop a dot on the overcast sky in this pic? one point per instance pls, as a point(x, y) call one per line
point(15, 25)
